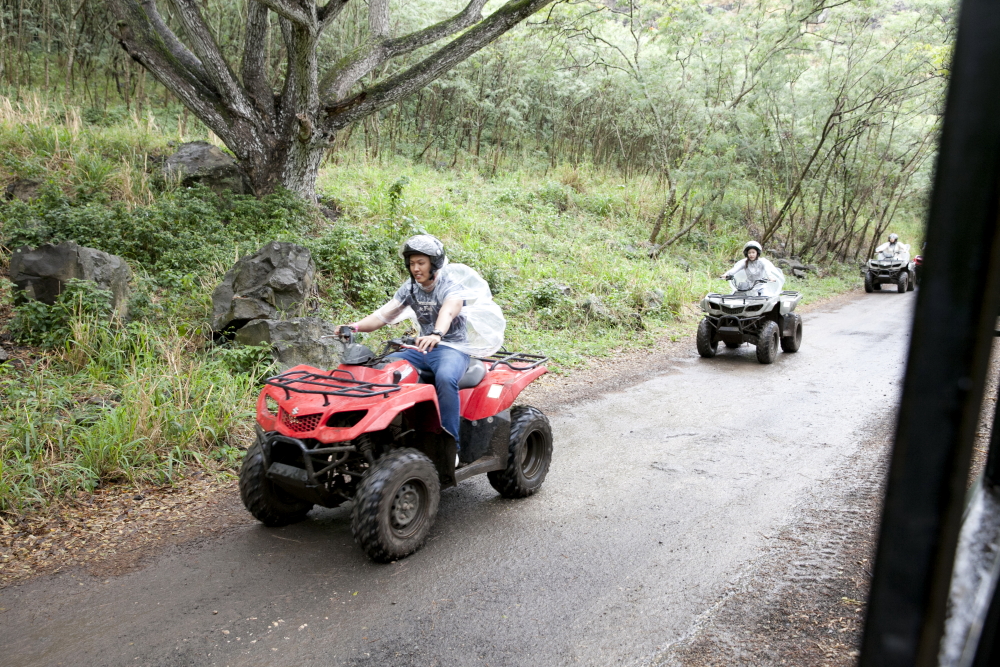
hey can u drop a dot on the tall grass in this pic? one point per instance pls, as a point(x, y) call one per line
point(119, 402)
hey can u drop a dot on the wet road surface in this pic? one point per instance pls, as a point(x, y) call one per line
point(658, 497)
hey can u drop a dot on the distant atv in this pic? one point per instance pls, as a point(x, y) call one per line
point(750, 315)
point(890, 269)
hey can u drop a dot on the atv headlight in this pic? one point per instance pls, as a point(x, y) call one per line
point(271, 404)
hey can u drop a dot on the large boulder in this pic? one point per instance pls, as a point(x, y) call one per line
point(276, 282)
point(23, 189)
point(595, 308)
point(41, 273)
point(201, 162)
point(300, 340)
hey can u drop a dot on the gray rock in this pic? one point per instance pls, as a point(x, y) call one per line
point(595, 309)
point(201, 162)
point(277, 281)
point(566, 290)
point(24, 189)
point(798, 273)
point(300, 340)
point(653, 299)
point(42, 272)
point(3, 355)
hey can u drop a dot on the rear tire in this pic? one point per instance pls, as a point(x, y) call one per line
point(793, 342)
point(902, 282)
point(269, 503)
point(529, 454)
point(767, 342)
point(869, 287)
point(876, 286)
point(395, 505)
point(707, 346)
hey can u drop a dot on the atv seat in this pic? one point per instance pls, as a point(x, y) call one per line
point(474, 374)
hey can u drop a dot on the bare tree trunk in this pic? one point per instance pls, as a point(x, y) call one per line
point(280, 140)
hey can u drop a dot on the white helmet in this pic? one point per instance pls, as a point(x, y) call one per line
point(425, 244)
point(755, 246)
point(893, 238)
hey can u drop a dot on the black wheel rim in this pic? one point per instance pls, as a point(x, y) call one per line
point(409, 509)
point(532, 454)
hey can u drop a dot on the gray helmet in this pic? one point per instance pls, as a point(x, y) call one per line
point(893, 238)
point(755, 246)
point(424, 244)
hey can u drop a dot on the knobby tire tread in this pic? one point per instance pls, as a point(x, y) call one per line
point(259, 495)
point(510, 482)
point(767, 342)
point(703, 340)
point(794, 342)
point(372, 536)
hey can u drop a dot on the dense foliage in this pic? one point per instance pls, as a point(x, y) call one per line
point(808, 123)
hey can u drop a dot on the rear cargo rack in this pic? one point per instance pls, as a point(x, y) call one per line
point(333, 384)
point(517, 361)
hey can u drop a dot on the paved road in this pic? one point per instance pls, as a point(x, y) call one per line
point(658, 497)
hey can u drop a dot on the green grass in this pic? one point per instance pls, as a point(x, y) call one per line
point(108, 401)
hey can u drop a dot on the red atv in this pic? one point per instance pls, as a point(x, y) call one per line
point(370, 431)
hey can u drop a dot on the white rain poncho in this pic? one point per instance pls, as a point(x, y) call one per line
point(895, 250)
point(484, 321)
point(759, 269)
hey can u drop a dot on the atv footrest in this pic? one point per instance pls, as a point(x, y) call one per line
point(289, 474)
point(485, 464)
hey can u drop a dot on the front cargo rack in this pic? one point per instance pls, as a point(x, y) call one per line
point(333, 384)
point(517, 361)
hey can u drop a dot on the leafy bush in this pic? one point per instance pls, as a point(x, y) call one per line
point(361, 264)
point(181, 231)
point(37, 323)
point(547, 294)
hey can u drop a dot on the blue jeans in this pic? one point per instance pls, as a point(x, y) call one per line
point(448, 366)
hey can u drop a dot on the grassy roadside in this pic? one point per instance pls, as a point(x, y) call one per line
point(90, 401)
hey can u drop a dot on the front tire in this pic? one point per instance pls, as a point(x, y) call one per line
point(902, 282)
point(269, 503)
point(395, 505)
point(869, 286)
point(794, 342)
point(707, 345)
point(529, 454)
point(767, 342)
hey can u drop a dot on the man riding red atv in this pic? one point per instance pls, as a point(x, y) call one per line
point(381, 430)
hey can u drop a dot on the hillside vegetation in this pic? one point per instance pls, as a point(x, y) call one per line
point(599, 168)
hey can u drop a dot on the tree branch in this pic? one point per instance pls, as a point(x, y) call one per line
point(137, 33)
point(329, 12)
point(179, 51)
point(340, 79)
point(253, 69)
point(378, 19)
point(430, 68)
point(216, 67)
point(293, 11)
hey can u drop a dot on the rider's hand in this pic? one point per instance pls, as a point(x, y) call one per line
point(726, 276)
point(427, 343)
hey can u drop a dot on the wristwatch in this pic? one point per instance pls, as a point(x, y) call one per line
point(437, 332)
